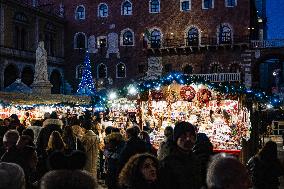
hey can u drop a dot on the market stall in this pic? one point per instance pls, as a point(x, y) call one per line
point(37, 105)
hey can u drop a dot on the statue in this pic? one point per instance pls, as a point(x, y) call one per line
point(41, 64)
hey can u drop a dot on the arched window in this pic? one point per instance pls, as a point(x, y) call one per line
point(49, 38)
point(55, 80)
point(193, 37)
point(155, 39)
point(187, 69)
point(20, 31)
point(103, 10)
point(27, 75)
point(225, 34)
point(80, 13)
point(127, 38)
point(80, 41)
point(120, 70)
point(126, 8)
point(154, 6)
point(11, 73)
point(102, 71)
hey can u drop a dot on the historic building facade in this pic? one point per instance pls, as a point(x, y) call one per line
point(22, 25)
point(130, 39)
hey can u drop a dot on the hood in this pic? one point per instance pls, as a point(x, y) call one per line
point(53, 122)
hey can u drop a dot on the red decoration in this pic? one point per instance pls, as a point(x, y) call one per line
point(187, 93)
point(204, 96)
point(157, 95)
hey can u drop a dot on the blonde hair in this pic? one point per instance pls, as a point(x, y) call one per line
point(55, 142)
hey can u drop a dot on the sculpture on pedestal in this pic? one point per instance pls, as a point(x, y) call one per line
point(41, 83)
point(41, 64)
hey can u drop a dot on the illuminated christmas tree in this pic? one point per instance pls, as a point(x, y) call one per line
point(87, 86)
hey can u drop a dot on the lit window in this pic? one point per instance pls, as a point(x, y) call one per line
point(126, 8)
point(185, 5)
point(80, 13)
point(103, 10)
point(225, 34)
point(207, 4)
point(192, 37)
point(120, 70)
point(231, 3)
point(154, 6)
point(155, 39)
point(127, 38)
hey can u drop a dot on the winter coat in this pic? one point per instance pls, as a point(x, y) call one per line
point(265, 174)
point(49, 126)
point(165, 148)
point(36, 130)
point(180, 170)
point(133, 146)
point(91, 143)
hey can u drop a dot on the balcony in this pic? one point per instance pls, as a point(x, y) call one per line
point(220, 77)
point(187, 45)
point(262, 44)
point(26, 55)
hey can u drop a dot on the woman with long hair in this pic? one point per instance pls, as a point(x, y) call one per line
point(55, 143)
point(140, 172)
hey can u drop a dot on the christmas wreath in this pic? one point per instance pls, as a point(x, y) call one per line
point(187, 93)
point(204, 96)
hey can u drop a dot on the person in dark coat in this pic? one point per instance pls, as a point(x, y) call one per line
point(114, 143)
point(140, 172)
point(265, 167)
point(203, 149)
point(181, 168)
point(49, 125)
point(143, 135)
point(167, 144)
point(134, 145)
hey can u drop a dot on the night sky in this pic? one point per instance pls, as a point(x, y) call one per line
point(275, 19)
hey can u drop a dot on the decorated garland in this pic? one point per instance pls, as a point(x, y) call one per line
point(187, 93)
point(204, 96)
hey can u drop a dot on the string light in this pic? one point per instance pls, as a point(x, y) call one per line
point(87, 86)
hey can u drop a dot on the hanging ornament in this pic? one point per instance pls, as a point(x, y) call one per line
point(204, 96)
point(187, 93)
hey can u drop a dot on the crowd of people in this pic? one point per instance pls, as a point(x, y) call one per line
point(78, 152)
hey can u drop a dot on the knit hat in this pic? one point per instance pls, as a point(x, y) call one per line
point(181, 128)
point(12, 176)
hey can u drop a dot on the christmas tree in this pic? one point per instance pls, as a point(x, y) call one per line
point(87, 86)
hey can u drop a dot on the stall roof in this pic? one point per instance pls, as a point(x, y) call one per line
point(19, 87)
point(33, 99)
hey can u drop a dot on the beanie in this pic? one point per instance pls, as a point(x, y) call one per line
point(181, 128)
